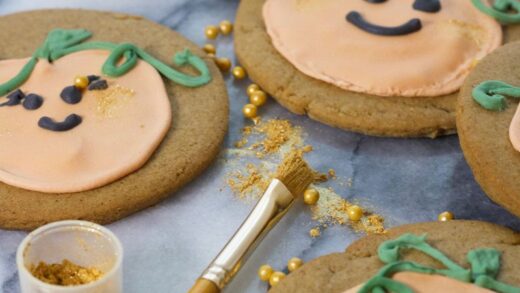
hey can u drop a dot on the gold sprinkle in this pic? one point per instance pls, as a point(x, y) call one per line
point(320, 177)
point(315, 232)
point(209, 49)
point(307, 149)
point(332, 173)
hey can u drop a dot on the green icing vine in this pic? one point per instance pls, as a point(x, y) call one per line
point(61, 42)
point(491, 94)
point(485, 266)
point(500, 10)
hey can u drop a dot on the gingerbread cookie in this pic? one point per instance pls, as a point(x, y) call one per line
point(426, 257)
point(98, 113)
point(489, 128)
point(353, 65)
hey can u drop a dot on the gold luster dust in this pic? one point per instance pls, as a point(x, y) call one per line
point(468, 30)
point(332, 209)
point(307, 4)
point(277, 133)
point(273, 136)
point(268, 140)
point(246, 184)
point(110, 99)
point(65, 273)
point(254, 159)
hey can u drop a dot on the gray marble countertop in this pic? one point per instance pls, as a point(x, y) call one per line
point(167, 246)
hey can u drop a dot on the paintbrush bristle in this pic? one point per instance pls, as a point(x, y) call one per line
point(295, 174)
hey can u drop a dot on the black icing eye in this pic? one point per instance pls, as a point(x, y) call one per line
point(430, 6)
point(14, 98)
point(32, 102)
point(71, 95)
point(376, 1)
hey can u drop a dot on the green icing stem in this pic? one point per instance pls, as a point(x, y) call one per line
point(499, 10)
point(485, 265)
point(60, 42)
point(491, 94)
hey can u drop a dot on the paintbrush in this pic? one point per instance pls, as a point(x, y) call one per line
point(292, 177)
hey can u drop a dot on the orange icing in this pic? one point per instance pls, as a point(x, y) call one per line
point(122, 126)
point(422, 283)
point(315, 37)
point(514, 130)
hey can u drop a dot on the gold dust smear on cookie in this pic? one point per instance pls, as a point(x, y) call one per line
point(467, 30)
point(250, 167)
point(109, 100)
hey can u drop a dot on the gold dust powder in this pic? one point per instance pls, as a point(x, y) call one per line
point(262, 146)
point(65, 273)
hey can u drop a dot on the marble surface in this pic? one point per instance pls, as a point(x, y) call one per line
point(168, 246)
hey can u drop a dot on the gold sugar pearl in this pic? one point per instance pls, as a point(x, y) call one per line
point(355, 213)
point(445, 216)
point(81, 82)
point(209, 49)
point(211, 32)
point(311, 196)
point(314, 232)
point(250, 111)
point(226, 27)
point(224, 64)
point(252, 88)
point(258, 98)
point(265, 272)
point(276, 278)
point(294, 263)
point(239, 72)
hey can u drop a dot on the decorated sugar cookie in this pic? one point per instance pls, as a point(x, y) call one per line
point(66, 135)
point(379, 67)
point(488, 121)
point(455, 256)
point(102, 119)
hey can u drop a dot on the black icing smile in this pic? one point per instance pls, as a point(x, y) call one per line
point(411, 26)
point(69, 123)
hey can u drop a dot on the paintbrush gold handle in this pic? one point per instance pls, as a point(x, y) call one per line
point(268, 211)
point(204, 286)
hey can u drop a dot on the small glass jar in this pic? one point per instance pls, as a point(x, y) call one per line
point(83, 243)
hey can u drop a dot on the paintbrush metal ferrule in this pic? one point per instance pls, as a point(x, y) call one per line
point(271, 207)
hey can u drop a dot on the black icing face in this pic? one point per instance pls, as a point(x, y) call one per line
point(413, 25)
point(70, 95)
